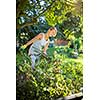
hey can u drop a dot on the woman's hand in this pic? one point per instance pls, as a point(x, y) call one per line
point(23, 47)
point(45, 53)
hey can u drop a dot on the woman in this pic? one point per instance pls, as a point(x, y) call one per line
point(40, 43)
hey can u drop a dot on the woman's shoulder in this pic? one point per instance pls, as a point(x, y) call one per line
point(41, 35)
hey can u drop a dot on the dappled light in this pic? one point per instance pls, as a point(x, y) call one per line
point(56, 26)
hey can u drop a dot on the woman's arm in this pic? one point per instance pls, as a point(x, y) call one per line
point(38, 37)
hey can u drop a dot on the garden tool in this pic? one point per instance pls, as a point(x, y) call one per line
point(41, 53)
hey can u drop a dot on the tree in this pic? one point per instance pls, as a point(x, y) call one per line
point(72, 25)
point(28, 11)
point(51, 12)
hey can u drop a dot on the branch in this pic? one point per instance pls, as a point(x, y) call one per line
point(24, 25)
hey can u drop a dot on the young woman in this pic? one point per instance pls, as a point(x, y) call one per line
point(40, 43)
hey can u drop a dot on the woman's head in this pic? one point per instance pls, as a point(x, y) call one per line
point(52, 32)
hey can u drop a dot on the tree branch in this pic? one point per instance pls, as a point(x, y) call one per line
point(24, 25)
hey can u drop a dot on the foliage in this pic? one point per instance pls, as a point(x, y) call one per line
point(51, 79)
point(57, 13)
point(35, 16)
point(62, 74)
point(71, 26)
point(54, 10)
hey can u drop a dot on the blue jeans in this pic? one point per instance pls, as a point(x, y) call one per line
point(33, 59)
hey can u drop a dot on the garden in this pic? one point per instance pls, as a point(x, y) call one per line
point(59, 74)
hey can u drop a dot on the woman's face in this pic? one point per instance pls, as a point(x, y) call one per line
point(52, 33)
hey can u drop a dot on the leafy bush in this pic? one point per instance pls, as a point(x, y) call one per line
point(50, 79)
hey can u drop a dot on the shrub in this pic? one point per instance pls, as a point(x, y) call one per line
point(50, 80)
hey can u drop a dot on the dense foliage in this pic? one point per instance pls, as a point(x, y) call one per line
point(61, 74)
point(35, 16)
point(28, 11)
point(53, 78)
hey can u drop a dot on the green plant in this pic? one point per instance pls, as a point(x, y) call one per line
point(60, 77)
